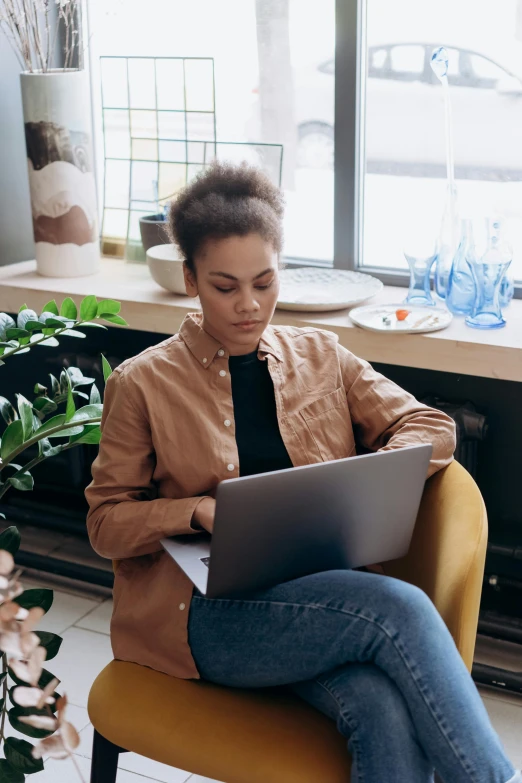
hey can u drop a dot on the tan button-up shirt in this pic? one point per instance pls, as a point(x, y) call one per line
point(168, 439)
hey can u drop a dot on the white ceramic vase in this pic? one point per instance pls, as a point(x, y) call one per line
point(58, 135)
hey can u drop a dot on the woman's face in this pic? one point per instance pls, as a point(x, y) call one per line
point(237, 283)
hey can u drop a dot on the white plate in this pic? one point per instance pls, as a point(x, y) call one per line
point(420, 319)
point(315, 289)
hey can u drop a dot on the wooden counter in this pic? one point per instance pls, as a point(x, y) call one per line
point(147, 307)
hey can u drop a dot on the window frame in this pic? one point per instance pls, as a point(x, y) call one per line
point(350, 67)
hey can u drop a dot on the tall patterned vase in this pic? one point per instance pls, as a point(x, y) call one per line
point(58, 135)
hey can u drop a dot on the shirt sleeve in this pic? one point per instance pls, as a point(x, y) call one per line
point(125, 517)
point(385, 417)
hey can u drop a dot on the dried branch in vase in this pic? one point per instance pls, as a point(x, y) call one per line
point(33, 28)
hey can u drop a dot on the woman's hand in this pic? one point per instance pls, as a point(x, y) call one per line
point(203, 517)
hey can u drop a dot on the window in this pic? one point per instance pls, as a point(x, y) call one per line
point(278, 66)
point(399, 176)
point(270, 89)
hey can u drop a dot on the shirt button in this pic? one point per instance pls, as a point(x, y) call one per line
point(227, 424)
point(221, 352)
point(230, 467)
point(222, 373)
point(182, 606)
point(205, 360)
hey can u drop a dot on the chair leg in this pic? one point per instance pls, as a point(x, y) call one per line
point(105, 755)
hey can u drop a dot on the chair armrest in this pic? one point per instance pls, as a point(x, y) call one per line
point(448, 551)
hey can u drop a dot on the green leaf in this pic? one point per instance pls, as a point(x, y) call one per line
point(55, 386)
point(10, 540)
point(29, 731)
point(8, 774)
point(33, 326)
point(88, 308)
point(14, 334)
point(58, 322)
point(51, 641)
point(55, 421)
point(71, 407)
point(44, 405)
point(7, 411)
point(18, 753)
point(94, 397)
point(12, 438)
point(73, 333)
point(114, 319)
point(68, 309)
point(23, 307)
point(59, 421)
point(45, 448)
point(77, 377)
point(93, 323)
point(91, 434)
point(45, 678)
point(51, 307)
point(48, 342)
point(24, 482)
point(36, 597)
point(25, 409)
point(109, 306)
point(107, 370)
point(6, 322)
point(88, 412)
point(24, 316)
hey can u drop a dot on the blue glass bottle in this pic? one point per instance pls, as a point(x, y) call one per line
point(460, 293)
point(496, 235)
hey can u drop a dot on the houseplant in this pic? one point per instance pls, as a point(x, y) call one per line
point(46, 37)
point(28, 696)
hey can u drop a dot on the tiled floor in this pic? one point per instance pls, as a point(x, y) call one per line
point(83, 620)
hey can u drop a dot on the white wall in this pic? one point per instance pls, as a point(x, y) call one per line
point(16, 231)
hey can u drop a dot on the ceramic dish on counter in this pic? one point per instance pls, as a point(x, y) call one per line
point(408, 319)
point(317, 290)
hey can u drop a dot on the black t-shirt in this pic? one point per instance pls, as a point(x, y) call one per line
point(259, 442)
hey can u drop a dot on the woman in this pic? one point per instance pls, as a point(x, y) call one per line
point(231, 395)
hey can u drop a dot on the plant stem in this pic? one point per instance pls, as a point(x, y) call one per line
point(4, 695)
point(37, 342)
point(24, 469)
point(46, 434)
point(30, 465)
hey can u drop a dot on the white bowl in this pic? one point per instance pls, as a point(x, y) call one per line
point(166, 268)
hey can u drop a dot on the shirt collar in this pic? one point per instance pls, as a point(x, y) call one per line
point(205, 348)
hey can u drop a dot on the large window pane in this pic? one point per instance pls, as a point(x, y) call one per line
point(404, 136)
point(274, 84)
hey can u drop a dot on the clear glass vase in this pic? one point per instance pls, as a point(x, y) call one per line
point(488, 272)
point(496, 234)
point(460, 293)
point(419, 291)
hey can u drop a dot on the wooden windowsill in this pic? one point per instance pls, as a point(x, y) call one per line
point(147, 307)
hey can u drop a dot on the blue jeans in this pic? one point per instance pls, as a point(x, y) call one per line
point(360, 647)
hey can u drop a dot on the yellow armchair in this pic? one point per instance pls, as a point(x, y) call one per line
point(240, 736)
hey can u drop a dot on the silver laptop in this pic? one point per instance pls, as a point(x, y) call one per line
point(274, 527)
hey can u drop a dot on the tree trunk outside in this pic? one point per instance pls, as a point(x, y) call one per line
point(276, 89)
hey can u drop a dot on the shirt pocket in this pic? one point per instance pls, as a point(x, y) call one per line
point(328, 422)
